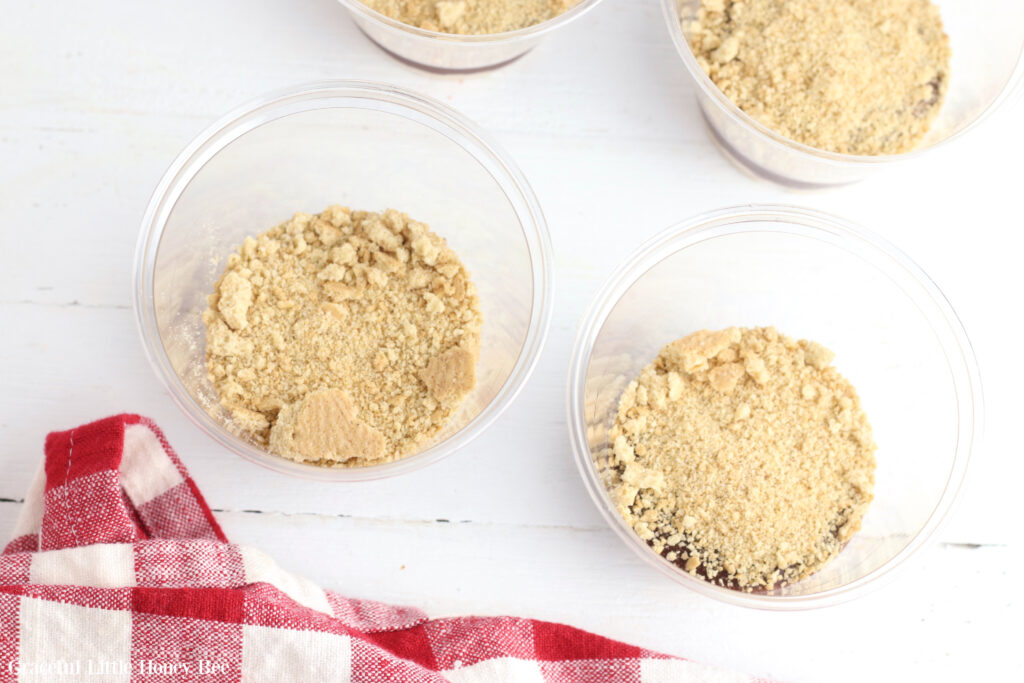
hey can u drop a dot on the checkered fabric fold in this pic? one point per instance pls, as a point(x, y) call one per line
point(118, 571)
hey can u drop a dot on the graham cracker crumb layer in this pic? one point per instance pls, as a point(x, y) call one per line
point(851, 76)
point(347, 338)
point(742, 456)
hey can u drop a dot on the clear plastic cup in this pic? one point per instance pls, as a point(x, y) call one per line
point(815, 277)
point(987, 38)
point(367, 146)
point(450, 52)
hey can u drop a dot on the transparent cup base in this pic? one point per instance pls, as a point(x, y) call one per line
point(454, 53)
point(753, 170)
point(443, 70)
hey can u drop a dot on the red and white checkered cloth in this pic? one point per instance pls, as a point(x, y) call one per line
point(118, 571)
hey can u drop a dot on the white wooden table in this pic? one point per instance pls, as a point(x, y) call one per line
point(95, 100)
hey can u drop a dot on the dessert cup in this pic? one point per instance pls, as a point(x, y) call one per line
point(816, 277)
point(368, 146)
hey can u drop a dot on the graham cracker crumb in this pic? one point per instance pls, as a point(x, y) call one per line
point(742, 475)
point(852, 76)
point(324, 426)
point(450, 374)
point(691, 353)
point(471, 16)
point(333, 340)
point(724, 377)
point(235, 300)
